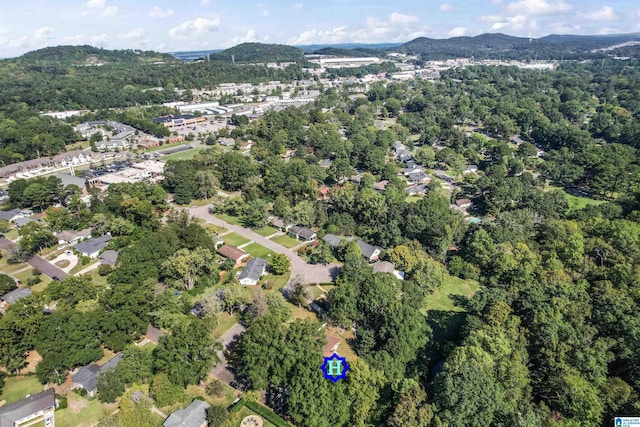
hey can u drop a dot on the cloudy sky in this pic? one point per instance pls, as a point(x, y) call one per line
point(210, 24)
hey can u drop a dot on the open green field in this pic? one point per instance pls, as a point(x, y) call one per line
point(286, 241)
point(18, 387)
point(234, 239)
point(258, 251)
point(182, 155)
point(276, 282)
point(442, 299)
point(576, 202)
point(89, 415)
point(265, 231)
point(228, 218)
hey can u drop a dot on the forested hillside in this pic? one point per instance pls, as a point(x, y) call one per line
point(258, 53)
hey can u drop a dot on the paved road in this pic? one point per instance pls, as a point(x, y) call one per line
point(309, 272)
point(39, 263)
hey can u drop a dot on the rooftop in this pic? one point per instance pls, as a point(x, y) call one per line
point(254, 269)
point(93, 245)
point(332, 240)
point(231, 252)
point(193, 415)
point(14, 412)
point(16, 294)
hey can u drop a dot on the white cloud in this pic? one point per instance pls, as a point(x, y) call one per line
point(607, 30)
point(458, 32)
point(297, 6)
point(605, 13)
point(397, 27)
point(446, 7)
point(192, 29)
point(136, 33)
point(399, 18)
point(110, 11)
point(96, 4)
point(250, 36)
point(265, 12)
point(204, 2)
point(43, 33)
point(516, 23)
point(100, 40)
point(491, 18)
point(538, 7)
point(158, 12)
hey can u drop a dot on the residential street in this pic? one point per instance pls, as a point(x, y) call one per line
point(37, 262)
point(299, 267)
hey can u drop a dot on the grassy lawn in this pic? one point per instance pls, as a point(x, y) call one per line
point(413, 199)
point(18, 387)
point(215, 228)
point(7, 268)
point(576, 202)
point(234, 239)
point(277, 282)
point(286, 241)
point(226, 322)
point(63, 263)
point(265, 231)
point(24, 275)
point(257, 251)
point(245, 412)
point(12, 234)
point(80, 267)
point(98, 279)
point(441, 299)
point(40, 287)
point(228, 218)
point(182, 155)
point(89, 415)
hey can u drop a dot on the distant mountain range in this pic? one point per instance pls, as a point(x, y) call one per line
point(483, 46)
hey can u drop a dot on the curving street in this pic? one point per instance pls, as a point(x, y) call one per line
point(309, 272)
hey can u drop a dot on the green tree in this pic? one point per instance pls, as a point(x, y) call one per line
point(280, 264)
point(187, 354)
point(35, 237)
point(110, 386)
point(164, 391)
point(186, 266)
point(217, 416)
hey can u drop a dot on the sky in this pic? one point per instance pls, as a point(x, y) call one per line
point(170, 26)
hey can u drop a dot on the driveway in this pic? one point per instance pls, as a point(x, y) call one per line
point(37, 262)
point(310, 273)
point(221, 370)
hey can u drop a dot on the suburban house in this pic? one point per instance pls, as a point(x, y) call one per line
point(109, 257)
point(332, 240)
point(380, 186)
point(34, 409)
point(303, 233)
point(87, 376)
point(194, 415)
point(12, 297)
point(464, 203)
point(92, 247)
point(471, 169)
point(68, 179)
point(279, 223)
point(12, 215)
point(332, 345)
point(387, 267)
point(153, 334)
point(419, 176)
point(251, 273)
point(231, 252)
point(22, 221)
point(72, 237)
point(416, 189)
point(370, 252)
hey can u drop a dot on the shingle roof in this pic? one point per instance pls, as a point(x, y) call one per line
point(254, 269)
point(109, 257)
point(383, 267)
point(70, 235)
point(16, 294)
point(8, 215)
point(10, 414)
point(303, 232)
point(71, 180)
point(193, 415)
point(87, 376)
point(367, 249)
point(93, 245)
point(332, 240)
point(21, 222)
point(231, 252)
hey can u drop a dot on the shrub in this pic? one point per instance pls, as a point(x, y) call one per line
point(62, 402)
point(34, 280)
point(105, 270)
point(215, 388)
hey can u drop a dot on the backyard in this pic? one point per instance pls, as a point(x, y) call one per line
point(286, 241)
point(18, 387)
point(443, 298)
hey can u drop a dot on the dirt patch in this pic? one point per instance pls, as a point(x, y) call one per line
point(63, 263)
point(32, 360)
point(76, 404)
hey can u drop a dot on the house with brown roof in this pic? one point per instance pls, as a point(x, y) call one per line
point(231, 252)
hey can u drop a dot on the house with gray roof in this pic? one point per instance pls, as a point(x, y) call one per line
point(419, 176)
point(252, 271)
point(194, 415)
point(370, 252)
point(16, 295)
point(87, 376)
point(11, 215)
point(331, 240)
point(22, 221)
point(36, 408)
point(109, 257)
point(92, 247)
point(303, 233)
point(72, 236)
point(68, 179)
